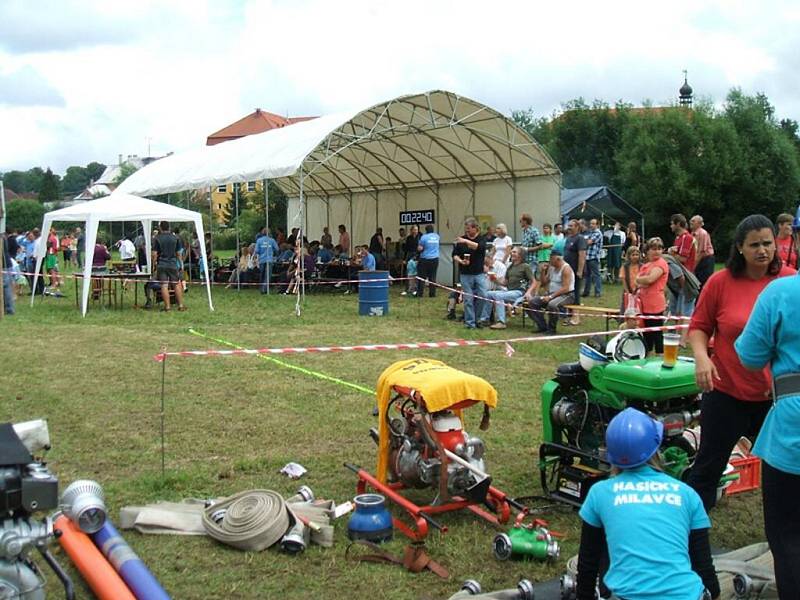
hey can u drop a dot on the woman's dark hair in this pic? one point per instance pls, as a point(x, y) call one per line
point(736, 263)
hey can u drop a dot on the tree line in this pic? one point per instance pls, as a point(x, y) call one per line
point(722, 163)
point(49, 186)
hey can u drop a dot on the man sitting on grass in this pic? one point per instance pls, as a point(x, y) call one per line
point(165, 256)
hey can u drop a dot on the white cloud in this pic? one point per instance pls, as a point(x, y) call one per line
point(175, 72)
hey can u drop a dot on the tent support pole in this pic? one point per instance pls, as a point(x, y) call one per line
point(352, 231)
point(236, 187)
point(265, 183)
point(472, 191)
point(301, 272)
point(516, 215)
point(328, 212)
point(210, 223)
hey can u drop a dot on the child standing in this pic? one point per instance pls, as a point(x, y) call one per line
point(411, 273)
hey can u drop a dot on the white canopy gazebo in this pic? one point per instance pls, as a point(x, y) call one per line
point(118, 207)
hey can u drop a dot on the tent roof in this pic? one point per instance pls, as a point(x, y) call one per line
point(418, 140)
point(599, 200)
point(122, 207)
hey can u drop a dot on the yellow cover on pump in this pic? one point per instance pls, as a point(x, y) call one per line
point(441, 386)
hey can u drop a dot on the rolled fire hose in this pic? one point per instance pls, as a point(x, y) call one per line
point(250, 520)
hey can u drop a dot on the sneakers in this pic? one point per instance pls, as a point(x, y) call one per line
point(451, 315)
point(482, 324)
point(498, 325)
point(404, 293)
point(148, 305)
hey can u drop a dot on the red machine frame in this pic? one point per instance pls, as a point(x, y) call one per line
point(421, 515)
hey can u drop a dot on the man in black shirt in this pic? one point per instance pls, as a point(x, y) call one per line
point(575, 256)
point(165, 256)
point(376, 247)
point(469, 253)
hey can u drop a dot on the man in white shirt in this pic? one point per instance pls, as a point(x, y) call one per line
point(127, 251)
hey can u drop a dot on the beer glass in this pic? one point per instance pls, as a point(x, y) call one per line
point(671, 343)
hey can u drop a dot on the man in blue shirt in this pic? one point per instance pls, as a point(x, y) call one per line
point(772, 336)
point(367, 259)
point(266, 249)
point(428, 260)
point(594, 242)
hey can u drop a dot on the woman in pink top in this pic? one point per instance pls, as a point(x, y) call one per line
point(651, 281)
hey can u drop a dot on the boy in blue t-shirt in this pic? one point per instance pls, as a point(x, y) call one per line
point(411, 273)
point(655, 526)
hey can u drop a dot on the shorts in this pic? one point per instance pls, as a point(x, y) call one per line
point(167, 274)
point(50, 262)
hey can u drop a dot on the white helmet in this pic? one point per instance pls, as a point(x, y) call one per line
point(626, 345)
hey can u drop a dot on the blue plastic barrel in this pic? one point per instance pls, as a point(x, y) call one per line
point(373, 293)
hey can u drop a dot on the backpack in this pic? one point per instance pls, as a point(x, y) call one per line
point(691, 285)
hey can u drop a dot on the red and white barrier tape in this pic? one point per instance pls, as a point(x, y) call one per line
point(545, 311)
point(201, 282)
point(401, 346)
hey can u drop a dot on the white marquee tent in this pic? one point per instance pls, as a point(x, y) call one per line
point(434, 152)
point(118, 207)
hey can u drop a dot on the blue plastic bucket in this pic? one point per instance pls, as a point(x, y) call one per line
point(373, 293)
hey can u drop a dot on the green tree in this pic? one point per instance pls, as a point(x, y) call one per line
point(94, 170)
point(767, 175)
point(278, 202)
point(16, 181)
point(50, 189)
point(676, 160)
point(34, 178)
point(75, 180)
point(24, 214)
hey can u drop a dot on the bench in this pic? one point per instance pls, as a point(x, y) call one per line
point(608, 313)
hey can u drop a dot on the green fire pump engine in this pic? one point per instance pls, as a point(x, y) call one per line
point(577, 406)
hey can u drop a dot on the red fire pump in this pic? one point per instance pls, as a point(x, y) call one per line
point(425, 449)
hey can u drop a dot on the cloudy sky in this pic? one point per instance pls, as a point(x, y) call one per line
point(84, 80)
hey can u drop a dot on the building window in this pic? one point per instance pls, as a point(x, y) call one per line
point(222, 189)
point(251, 186)
point(219, 206)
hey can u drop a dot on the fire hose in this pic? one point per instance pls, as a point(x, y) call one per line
point(249, 520)
point(745, 573)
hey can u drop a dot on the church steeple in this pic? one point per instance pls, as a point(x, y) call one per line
point(685, 97)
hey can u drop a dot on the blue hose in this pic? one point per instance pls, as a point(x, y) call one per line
point(130, 567)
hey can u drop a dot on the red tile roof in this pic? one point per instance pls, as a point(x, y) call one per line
point(256, 122)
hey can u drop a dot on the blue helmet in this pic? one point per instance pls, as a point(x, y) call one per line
point(796, 222)
point(632, 438)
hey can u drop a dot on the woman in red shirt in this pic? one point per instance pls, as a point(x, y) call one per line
point(651, 281)
point(735, 401)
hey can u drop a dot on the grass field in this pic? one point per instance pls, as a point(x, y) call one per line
point(232, 422)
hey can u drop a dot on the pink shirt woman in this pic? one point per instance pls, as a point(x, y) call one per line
point(651, 281)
